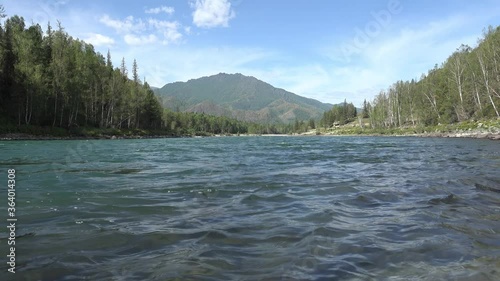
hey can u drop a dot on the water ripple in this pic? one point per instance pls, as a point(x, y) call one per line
point(280, 208)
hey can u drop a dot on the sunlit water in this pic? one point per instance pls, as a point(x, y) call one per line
point(255, 208)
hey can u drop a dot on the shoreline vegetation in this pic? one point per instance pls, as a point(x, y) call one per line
point(482, 129)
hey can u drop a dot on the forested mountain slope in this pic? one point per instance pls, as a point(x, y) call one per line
point(242, 97)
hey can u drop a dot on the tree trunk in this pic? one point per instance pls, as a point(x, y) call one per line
point(55, 111)
point(62, 114)
point(477, 92)
point(26, 111)
point(486, 83)
point(433, 104)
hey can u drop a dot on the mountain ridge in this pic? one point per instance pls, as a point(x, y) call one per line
point(243, 97)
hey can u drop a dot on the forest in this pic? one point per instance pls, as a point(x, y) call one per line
point(51, 80)
point(340, 114)
point(465, 87)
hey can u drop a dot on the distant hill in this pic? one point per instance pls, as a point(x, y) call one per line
point(242, 97)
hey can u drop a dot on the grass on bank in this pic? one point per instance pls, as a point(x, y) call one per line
point(483, 126)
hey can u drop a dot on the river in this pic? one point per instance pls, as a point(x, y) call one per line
point(255, 208)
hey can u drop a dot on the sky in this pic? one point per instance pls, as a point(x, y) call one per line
point(329, 50)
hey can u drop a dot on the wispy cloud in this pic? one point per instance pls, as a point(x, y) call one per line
point(140, 40)
point(400, 54)
point(169, 29)
point(97, 39)
point(181, 63)
point(212, 13)
point(162, 9)
point(132, 29)
point(128, 25)
point(424, 42)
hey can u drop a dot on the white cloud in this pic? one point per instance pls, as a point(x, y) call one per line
point(164, 9)
point(398, 54)
point(212, 13)
point(140, 40)
point(133, 29)
point(99, 40)
point(428, 42)
point(129, 24)
point(181, 63)
point(169, 30)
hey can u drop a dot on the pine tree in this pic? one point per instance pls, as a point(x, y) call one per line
point(366, 111)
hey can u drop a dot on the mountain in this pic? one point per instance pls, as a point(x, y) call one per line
point(242, 97)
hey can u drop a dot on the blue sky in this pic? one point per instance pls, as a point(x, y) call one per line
point(323, 49)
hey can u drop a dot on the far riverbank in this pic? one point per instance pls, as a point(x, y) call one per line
point(484, 129)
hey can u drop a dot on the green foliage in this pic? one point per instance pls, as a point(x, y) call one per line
point(189, 123)
point(2, 12)
point(312, 124)
point(366, 109)
point(466, 86)
point(339, 115)
point(55, 80)
point(243, 97)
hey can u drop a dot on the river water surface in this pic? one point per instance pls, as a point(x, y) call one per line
point(255, 208)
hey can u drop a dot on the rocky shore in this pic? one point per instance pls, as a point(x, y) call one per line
point(475, 129)
point(466, 134)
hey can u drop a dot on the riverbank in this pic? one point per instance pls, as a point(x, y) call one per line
point(54, 133)
point(471, 134)
point(474, 134)
point(20, 136)
point(482, 129)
